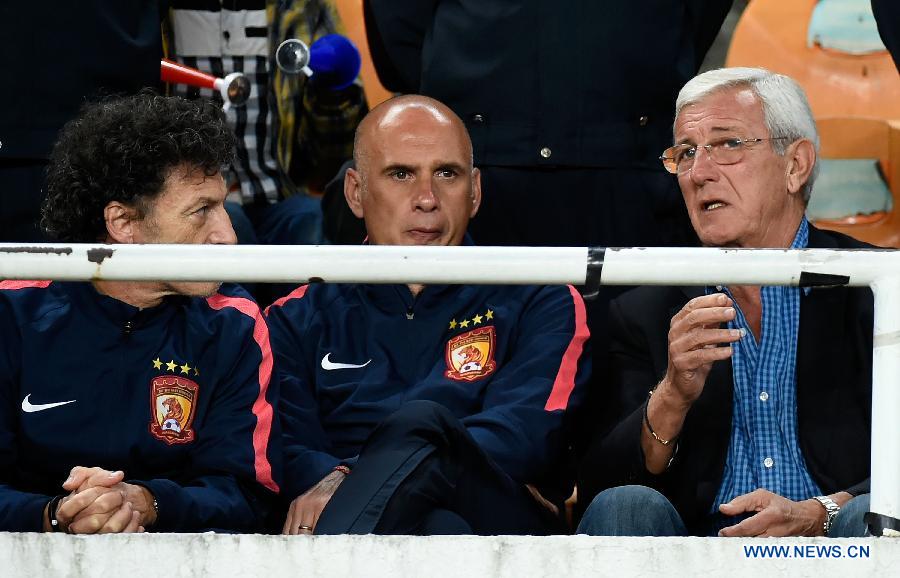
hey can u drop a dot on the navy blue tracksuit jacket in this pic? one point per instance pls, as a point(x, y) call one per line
point(177, 396)
point(508, 361)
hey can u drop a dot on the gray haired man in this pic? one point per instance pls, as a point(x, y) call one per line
point(739, 410)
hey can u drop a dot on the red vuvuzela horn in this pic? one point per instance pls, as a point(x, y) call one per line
point(234, 88)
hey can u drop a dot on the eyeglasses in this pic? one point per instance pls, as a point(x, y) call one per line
point(679, 159)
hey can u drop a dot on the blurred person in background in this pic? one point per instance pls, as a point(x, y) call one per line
point(294, 132)
point(54, 59)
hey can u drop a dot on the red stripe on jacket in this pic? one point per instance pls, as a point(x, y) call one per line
point(24, 284)
point(295, 294)
point(262, 409)
point(565, 377)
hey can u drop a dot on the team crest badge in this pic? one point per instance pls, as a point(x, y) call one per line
point(172, 400)
point(470, 355)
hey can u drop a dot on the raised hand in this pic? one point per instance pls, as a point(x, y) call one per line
point(696, 341)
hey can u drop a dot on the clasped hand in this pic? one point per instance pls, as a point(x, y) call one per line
point(99, 502)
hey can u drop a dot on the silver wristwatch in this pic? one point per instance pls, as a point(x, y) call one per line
point(831, 511)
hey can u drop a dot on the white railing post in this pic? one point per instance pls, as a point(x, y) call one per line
point(885, 480)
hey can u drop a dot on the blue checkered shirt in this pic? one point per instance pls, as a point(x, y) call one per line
point(764, 451)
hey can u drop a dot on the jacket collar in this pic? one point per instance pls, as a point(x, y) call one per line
point(818, 239)
point(103, 307)
point(397, 298)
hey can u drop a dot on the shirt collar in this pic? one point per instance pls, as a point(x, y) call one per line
point(801, 239)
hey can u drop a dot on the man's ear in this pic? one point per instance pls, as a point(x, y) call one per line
point(801, 158)
point(120, 222)
point(353, 191)
point(476, 192)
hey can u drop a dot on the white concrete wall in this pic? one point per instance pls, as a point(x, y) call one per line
point(196, 555)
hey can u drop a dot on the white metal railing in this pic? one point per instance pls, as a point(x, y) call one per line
point(878, 269)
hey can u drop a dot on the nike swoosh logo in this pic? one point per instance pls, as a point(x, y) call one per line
point(28, 407)
point(329, 365)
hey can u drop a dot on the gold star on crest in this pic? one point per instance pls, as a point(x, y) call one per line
point(453, 324)
point(186, 369)
point(477, 319)
point(171, 365)
point(489, 315)
point(464, 323)
point(196, 372)
point(157, 364)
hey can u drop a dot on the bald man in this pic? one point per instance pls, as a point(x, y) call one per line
point(425, 410)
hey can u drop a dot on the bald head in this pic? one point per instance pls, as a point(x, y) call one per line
point(414, 182)
point(397, 112)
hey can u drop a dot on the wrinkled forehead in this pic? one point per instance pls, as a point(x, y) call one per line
point(727, 111)
point(184, 184)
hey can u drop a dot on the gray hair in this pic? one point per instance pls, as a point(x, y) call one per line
point(785, 109)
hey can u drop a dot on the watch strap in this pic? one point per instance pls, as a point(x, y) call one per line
point(831, 511)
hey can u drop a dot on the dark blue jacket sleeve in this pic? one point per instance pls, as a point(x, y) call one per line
point(521, 423)
point(19, 511)
point(233, 476)
point(306, 448)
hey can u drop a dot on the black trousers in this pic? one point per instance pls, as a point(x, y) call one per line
point(421, 473)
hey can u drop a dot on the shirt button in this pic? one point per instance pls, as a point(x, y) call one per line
point(768, 462)
point(763, 396)
point(226, 34)
point(546, 152)
point(477, 118)
point(644, 120)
